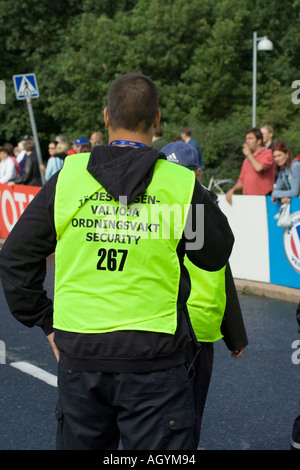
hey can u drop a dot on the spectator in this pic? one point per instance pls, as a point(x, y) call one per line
point(51, 148)
point(288, 179)
point(213, 303)
point(186, 135)
point(61, 138)
point(96, 139)
point(258, 170)
point(85, 148)
point(268, 137)
point(78, 143)
point(22, 155)
point(31, 175)
point(7, 167)
point(17, 150)
point(10, 150)
point(71, 150)
point(158, 142)
point(51, 152)
point(55, 163)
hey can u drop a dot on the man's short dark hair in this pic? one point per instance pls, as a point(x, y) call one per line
point(257, 132)
point(132, 102)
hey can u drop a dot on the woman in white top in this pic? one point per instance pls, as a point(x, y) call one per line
point(7, 167)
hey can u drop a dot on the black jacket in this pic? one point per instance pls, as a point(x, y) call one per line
point(31, 175)
point(121, 171)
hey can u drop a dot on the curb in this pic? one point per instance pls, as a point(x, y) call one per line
point(263, 289)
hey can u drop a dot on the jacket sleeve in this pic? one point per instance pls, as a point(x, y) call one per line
point(233, 328)
point(214, 230)
point(23, 261)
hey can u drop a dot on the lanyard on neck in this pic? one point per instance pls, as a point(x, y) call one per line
point(131, 143)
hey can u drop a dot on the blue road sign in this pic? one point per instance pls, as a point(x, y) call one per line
point(26, 84)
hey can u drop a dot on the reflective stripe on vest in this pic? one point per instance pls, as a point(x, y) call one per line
point(116, 266)
point(207, 301)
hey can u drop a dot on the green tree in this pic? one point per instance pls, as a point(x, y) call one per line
point(198, 53)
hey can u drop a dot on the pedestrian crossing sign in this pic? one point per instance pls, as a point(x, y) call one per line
point(26, 85)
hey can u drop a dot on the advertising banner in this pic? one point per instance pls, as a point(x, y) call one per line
point(284, 246)
point(13, 202)
point(263, 251)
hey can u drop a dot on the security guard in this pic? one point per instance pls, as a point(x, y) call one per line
point(118, 220)
point(213, 304)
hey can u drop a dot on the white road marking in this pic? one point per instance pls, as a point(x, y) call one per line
point(36, 372)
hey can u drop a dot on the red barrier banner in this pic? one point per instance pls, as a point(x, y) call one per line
point(13, 202)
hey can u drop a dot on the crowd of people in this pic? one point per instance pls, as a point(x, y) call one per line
point(19, 164)
point(268, 167)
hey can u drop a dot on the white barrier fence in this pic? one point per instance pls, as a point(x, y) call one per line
point(263, 251)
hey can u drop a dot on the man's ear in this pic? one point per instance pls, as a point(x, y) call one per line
point(157, 118)
point(106, 119)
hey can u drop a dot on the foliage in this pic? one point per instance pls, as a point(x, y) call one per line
point(199, 53)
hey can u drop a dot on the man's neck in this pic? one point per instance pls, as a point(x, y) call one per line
point(125, 135)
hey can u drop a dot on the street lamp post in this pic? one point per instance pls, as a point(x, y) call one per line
point(259, 44)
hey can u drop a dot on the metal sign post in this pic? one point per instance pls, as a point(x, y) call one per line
point(35, 136)
point(26, 88)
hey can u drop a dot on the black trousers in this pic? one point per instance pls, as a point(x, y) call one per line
point(202, 375)
point(151, 411)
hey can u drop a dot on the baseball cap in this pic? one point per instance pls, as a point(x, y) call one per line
point(182, 153)
point(81, 141)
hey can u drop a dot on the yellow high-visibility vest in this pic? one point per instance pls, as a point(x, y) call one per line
point(207, 301)
point(116, 266)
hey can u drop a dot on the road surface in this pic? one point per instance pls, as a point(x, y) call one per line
point(252, 400)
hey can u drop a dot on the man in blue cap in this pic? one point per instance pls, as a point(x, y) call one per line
point(82, 144)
